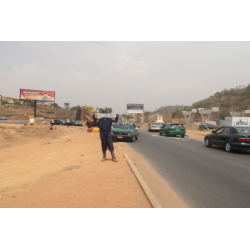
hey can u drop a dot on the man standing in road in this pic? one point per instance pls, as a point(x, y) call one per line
point(105, 124)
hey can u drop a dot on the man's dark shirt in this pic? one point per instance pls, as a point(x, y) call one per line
point(105, 124)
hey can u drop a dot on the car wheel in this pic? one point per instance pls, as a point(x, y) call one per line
point(167, 133)
point(229, 146)
point(137, 137)
point(133, 139)
point(160, 133)
point(207, 142)
point(182, 135)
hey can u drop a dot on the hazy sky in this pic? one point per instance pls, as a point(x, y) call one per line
point(112, 74)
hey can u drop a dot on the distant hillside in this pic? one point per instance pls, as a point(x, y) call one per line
point(234, 99)
point(165, 110)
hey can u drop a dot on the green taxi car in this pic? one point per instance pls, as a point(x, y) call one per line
point(125, 131)
point(171, 128)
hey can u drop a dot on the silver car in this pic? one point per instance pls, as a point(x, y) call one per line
point(154, 126)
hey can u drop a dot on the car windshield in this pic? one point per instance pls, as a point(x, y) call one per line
point(125, 126)
point(155, 123)
point(176, 125)
point(243, 130)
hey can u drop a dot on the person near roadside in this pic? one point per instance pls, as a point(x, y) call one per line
point(104, 125)
point(52, 122)
point(67, 122)
point(88, 123)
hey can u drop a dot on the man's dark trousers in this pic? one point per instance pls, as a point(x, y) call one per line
point(107, 142)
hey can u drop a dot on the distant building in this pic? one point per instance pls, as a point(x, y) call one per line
point(10, 100)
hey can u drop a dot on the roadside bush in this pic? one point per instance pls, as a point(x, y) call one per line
point(227, 105)
point(49, 112)
point(5, 102)
point(224, 113)
point(176, 113)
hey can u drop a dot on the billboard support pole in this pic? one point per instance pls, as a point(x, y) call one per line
point(35, 109)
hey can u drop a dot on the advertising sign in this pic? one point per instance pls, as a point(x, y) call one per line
point(159, 119)
point(135, 108)
point(237, 121)
point(37, 95)
point(90, 108)
point(241, 121)
point(105, 115)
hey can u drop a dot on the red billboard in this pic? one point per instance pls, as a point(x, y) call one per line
point(37, 95)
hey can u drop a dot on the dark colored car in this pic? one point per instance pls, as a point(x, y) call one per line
point(59, 122)
point(125, 131)
point(208, 126)
point(230, 138)
point(171, 128)
point(74, 123)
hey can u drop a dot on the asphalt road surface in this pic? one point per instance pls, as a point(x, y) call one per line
point(13, 122)
point(201, 176)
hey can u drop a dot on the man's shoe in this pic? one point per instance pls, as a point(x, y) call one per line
point(114, 159)
point(104, 159)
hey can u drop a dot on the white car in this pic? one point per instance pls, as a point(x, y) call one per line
point(155, 126)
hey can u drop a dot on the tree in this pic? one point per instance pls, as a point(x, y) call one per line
point(224, 113)
point(247, 92)
point(105, 110)
point(127, 116)
point(76, 107)
point(55, 105)
point(66, 105)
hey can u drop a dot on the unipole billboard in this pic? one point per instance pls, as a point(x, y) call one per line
point(37, 95)
point(135, 108)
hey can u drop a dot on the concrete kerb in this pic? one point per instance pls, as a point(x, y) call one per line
point(151, 197)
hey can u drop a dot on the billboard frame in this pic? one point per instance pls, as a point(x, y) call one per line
point(135, 111)
point(37, 99)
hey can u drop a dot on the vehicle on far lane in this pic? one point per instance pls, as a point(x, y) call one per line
point(74, 123)
point(154, 126)
point(230, 138)
point(171, 128)
point(208, 126)
point(59, 122)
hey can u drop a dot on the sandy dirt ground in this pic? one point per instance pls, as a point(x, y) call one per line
point(62, 168)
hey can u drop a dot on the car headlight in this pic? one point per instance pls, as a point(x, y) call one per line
point(111, 132)
point(129, 134)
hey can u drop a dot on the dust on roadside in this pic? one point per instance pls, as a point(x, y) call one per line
point(62, 168)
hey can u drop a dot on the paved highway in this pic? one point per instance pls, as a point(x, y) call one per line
point(201, 176)
point(12, 122)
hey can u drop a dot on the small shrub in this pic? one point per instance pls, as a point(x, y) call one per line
point(5, 102)
point(49, 112)
point(227, 105)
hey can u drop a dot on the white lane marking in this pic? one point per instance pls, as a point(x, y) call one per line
point(154, 135)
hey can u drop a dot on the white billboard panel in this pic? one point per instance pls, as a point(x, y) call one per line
point(237, 121)
point(135, 108)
